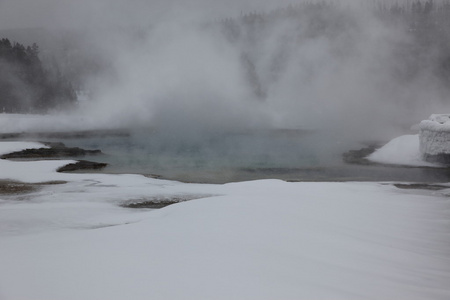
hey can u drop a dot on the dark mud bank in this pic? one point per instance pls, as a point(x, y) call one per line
point(55, 150)
point(8, 187)
point(59, 150)
point(359, 157)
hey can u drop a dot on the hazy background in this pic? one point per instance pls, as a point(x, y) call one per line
point(164, 64)
point(85, 13)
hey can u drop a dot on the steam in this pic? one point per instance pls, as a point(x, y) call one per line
point(172, 67)
point(179, 77)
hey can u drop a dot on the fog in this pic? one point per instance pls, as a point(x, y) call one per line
point(171, 65)
point(94, 13)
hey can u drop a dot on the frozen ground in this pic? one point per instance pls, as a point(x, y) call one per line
point(264, 239)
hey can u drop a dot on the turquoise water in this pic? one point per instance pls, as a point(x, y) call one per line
point(227, 157)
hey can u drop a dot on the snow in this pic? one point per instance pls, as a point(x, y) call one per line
point(9, 147)
point(403, 150)
point(434, 142)
point(410, 150)
point(436, 122)
point(435, 135)
point(264, 239)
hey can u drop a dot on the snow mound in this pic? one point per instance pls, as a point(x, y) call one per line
point(403, 150)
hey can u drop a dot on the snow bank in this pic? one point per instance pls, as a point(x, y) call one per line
point(430, 148)
point(403, 150)
point(265, 239)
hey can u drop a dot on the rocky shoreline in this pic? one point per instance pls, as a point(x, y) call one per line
point(56, 151)
point(82, 165)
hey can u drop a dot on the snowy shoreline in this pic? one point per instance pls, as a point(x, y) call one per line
point(263, 239)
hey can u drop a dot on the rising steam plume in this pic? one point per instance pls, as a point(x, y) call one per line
point(338, 67)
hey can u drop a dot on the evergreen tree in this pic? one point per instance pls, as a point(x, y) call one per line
point(26, 85)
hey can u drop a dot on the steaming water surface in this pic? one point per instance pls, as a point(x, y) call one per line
point(238, 156)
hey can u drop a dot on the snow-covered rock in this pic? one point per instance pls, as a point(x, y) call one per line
point(435, 138)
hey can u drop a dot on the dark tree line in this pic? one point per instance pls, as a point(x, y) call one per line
point(26, 85)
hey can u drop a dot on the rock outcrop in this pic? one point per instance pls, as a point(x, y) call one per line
point(55, 150)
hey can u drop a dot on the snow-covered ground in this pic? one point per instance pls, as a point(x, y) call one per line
point(265, 239)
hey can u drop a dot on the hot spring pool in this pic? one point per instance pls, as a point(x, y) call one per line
point(227, 157)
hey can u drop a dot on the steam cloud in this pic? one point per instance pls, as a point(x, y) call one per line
point(172, 66)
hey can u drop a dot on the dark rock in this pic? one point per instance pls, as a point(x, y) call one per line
point(12, 187)
point(52, 182)
point(441, 158)
point(421, 186)
point(58, 150)
point(149, 204)
point(82, 165)
point(160, 202)
point(154, 176)
point(8, 187)
point(359, 156)
point(55, 150)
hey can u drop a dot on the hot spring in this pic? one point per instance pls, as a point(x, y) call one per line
point(294, 155)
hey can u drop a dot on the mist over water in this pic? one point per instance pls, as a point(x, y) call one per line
point(179, 66)
point(192, 75)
